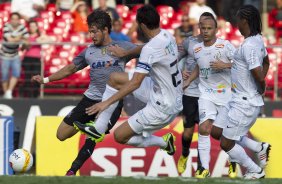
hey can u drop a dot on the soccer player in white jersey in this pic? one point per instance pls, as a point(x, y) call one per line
point(214, 85)
point(191, 97)
point(250, 66)
point(162, 91)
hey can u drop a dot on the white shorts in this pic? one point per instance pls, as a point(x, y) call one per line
point(240, 118)
point(149, 119)
point(209, 110)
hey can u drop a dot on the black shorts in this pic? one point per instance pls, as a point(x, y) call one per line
point(79, 114)
point(190, 111)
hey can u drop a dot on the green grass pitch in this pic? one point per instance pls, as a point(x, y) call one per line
point(127, 180)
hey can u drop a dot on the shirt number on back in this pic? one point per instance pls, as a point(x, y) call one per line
point(174, 75)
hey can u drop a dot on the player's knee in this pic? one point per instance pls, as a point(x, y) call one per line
point(205, 128)
point(187, 136)
point(61, 137)
point(226, 144)
point(119, 138)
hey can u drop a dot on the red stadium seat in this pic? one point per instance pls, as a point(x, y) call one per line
point(7, 6)
point(4, 16)
point(51, 7)
point(165, 11)
point(136, 7)
point(123, 11)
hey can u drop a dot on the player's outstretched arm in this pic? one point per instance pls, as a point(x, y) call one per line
point(259, 79)
point(117, 51)
point(193, 76)
point(62, 73)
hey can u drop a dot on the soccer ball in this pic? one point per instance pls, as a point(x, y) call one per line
point(21, 160)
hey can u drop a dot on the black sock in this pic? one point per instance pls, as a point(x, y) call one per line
point(84, 153)
point(186, 143)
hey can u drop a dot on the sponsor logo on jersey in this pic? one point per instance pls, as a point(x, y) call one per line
point(198, 49)
point(219, 45)
point(221, 88)
point(205, 72)
point(104, 64)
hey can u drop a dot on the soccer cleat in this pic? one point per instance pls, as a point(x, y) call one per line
point(181, 165)
point(202, 173)
point(89, 130)
point(169, 138)
point(232, 173)
point(263, 155)
point(254, 175)
point(70, 173)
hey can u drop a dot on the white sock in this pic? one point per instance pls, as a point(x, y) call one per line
point(101, 124)
point(204, 147)
point(246, 142)
point(238, 154)
point(140, 141)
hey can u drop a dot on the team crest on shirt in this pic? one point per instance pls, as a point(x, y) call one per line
point(104, 51)
point(219, 45)
point(198, 49)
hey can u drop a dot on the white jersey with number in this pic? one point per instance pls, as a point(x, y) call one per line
point(247, 57)
point(215, 85)
point(190, 63)
point(159, 58)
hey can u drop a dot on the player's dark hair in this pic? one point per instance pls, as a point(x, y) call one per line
point(209, 16)
point(149, 16)
point(100, 19)
point(15, 13)
point(252, 15)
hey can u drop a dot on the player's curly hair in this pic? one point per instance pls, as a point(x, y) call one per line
point(252, 15)
point(149, 16)
point(100, 19)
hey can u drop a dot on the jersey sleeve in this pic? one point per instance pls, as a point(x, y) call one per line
point(251, 56)
point(230, 50)
point(79, 61)
point(145, 61)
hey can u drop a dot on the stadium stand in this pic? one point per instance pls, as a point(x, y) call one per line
point(59, 27)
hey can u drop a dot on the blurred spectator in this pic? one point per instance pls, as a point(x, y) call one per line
point(184, 31)
point(276, 13)
point(14, 32)
point(80, 12)
point(64, 5)
point(112, 12)
point(32, 60)
point(229, 9)
point(197, 9)
point(28, 9)
point(110, 3)
point(275, 19)
point(116, 33)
